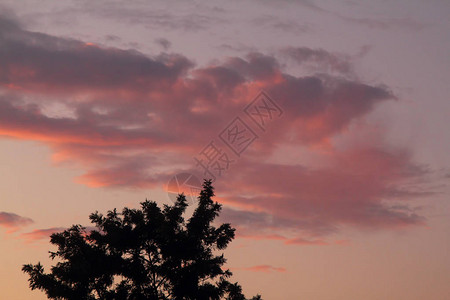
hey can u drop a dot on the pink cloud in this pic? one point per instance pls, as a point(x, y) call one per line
point(12, 221)
point(241, 233)
point(357, 188)
point(40, 234)
point(45, 233)
point(265, 269)
point(127, 117)
point(300, 241)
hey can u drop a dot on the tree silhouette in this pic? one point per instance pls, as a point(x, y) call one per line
point(147, 253)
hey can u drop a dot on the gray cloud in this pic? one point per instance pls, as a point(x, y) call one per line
point(290, 26)
point(319, 59)
point(164, 43)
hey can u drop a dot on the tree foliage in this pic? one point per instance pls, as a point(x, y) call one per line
point(147, 253)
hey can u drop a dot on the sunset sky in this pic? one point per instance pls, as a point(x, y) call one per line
point(340, 193)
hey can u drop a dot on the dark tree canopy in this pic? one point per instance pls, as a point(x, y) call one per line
point(146, 253)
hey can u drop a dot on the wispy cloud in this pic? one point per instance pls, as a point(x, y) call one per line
point(319, 59)
point(40, 234)
point(265, 269)
point(294, 27)
point(12, 221)
point(45, 233)
point(386, 23)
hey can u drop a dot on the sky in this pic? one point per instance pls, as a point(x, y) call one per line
point(324, 124)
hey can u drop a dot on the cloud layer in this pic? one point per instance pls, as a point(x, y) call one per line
point(132, 120)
